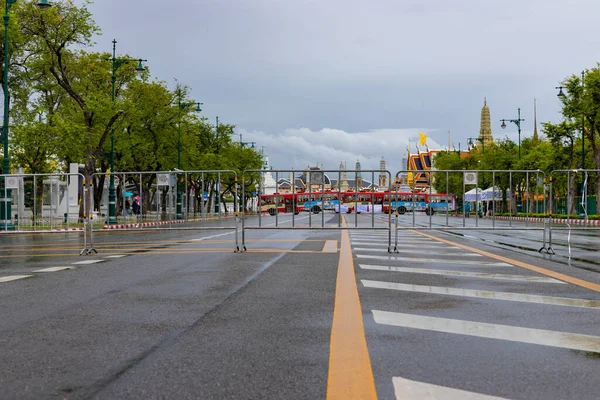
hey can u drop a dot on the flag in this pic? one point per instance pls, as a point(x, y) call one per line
point(423, 138)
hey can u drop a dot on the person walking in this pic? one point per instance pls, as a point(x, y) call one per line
point(136, 204)
point(127, 207)
point(467, 210)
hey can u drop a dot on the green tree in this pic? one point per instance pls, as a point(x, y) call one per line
point(581, 105)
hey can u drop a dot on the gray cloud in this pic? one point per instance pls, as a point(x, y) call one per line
point(299, 148)
point(276, 66)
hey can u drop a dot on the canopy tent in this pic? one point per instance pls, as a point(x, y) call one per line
point(491, 193)
point(473, 195)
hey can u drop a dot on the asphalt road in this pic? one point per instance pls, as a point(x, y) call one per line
point(179, 314)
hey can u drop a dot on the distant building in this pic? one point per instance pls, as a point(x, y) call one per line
point(268, 184)
point(383, 176)
point(485, 127)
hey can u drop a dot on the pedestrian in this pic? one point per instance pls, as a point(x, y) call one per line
point(127, 207)
point(136, 204)
point(467, 210)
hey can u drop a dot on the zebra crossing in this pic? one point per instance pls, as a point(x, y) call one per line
point(454, 295)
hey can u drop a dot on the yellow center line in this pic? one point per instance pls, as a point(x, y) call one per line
point(350, 372)
point(557, 275)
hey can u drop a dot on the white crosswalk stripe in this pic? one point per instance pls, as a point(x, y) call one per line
point(484, 294)
point(53, 269)
point(436, 260)
point(483, 275)
point(574, 341)
point(87, 262)
point(452, 252)
point(401, 246)
point(406, 389)
point(13, 278)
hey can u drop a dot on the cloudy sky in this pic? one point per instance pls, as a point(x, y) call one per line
point(324, 81)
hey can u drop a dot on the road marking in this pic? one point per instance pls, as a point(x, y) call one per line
point(212, 236)
point(565, 340)
point(485, 294)
point(484, 275)
point(53, 269)
point(407, 389)
point(384, 243)
point(331, 246)
point(449, 252)
point(13, 278)
point(116, 256)
point(566, 278)
point(350, 373)
point(403, 240)
point(436, 260)
point(87, 262)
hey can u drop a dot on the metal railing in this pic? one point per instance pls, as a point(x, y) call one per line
point(316, 195)
point(504, 192)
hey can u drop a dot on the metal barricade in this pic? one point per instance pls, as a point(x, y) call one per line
point(497, 199)
point(313, 192)
point(43, 203)
point(572, 202)
point(166, 200)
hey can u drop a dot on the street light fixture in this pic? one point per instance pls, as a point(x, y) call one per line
point(112, 193)
point(43, 4)
point(182, 106)
point(516, 122)
point(562, 96)
point(5, 193)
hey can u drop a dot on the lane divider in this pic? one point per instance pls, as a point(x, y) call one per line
point(350, 372)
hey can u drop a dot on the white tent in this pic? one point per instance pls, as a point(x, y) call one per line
point(473, 195)
point(491, 193)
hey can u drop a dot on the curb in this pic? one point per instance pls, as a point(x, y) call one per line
point(144, 224)
point(46, 230)
point(593, 222)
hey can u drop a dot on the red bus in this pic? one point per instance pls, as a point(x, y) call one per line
point(347, 201)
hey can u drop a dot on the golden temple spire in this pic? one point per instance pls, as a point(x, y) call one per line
point(485, 126)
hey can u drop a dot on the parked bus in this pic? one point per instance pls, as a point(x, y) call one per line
point(347, 201)
point(403, 202)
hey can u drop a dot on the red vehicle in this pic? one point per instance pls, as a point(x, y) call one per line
point(347, 201)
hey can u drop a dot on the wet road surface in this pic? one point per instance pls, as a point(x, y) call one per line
point(179, 314)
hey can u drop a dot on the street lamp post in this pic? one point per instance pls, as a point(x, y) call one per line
point(562, 96)
point(217, 199)
point(182, 106)
point(112, 193)
point(516, 122)
point(5, 193)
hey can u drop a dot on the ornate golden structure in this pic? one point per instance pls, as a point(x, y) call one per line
point(485, 126)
